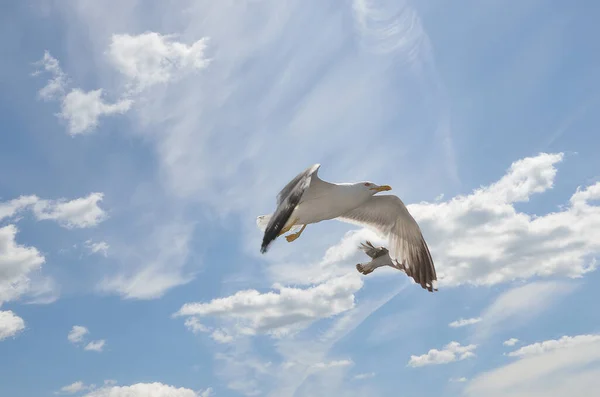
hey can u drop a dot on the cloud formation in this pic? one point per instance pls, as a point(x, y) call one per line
point(482, 239)
point(463, 322)
point(278, 313)
point(151, 58)
point(556, 369)
point(453, 351)
point(10, 324)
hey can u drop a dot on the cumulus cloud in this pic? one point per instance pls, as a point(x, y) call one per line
point(17, 262)
point(278, 313)
point(82, 110)
point(10, 324)
point(150, 58)
point(453, 351)
point(482, 239)
point(95, 345)
point(77, 333)
point(564, 342)
point(571, 370)
point(155, 389)
point(463, 322)
point(510, 342)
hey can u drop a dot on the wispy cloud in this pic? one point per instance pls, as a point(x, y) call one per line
point(508, 310)
point(572, 369)
point(95, 345)
point(463, 322)
point(100, 247)
point(365, 375)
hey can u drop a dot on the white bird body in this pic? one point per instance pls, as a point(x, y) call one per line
point(307, 199)
point(329, 201)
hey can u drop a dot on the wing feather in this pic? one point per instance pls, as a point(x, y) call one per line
point(389, 216)
point(287, 200)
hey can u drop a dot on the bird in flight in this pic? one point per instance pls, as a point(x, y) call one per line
point(307, 199)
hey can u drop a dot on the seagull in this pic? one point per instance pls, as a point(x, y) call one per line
point(380, 256)
point(307, 199)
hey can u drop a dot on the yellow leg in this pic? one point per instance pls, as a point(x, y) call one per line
point(294, 236)
point(287, 228)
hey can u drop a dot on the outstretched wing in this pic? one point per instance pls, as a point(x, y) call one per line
point(287, 200)
point(389, 216)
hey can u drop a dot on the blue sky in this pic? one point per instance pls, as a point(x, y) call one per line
point(140, 141)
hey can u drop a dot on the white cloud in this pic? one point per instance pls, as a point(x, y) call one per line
point(82, 110)
point(55, 87)
point(100, 247)
point(366, 375)
point(79, 108)
point(17, 262)
point(278, 313)
point(206, 393)
point(221, 336)
point(332, 364)
point(571, 370)
point(11, 208)
point(463, 322)
point(482, 239)
point(151, 58)
point(73, 388)
point(510, 342)
point(194, 325)
point(153, 264)
point(564, 342)
point(453, 351)
point(95, 345)
point(508, 310)
point(77, 333)
point(81, 212)
point(10, 324)
point(458, 380)
point(155, 389)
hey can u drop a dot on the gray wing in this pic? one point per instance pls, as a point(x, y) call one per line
point(287, 200)
point(408, 249)
point(371, 251)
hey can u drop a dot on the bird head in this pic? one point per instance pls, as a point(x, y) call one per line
point(374, 189)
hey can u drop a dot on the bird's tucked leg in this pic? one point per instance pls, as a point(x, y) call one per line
point(294, 236)
point(287, 228)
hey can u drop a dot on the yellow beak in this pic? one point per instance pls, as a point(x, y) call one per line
point(382, 188)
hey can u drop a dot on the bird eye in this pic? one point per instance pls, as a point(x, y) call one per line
point(367, 184)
